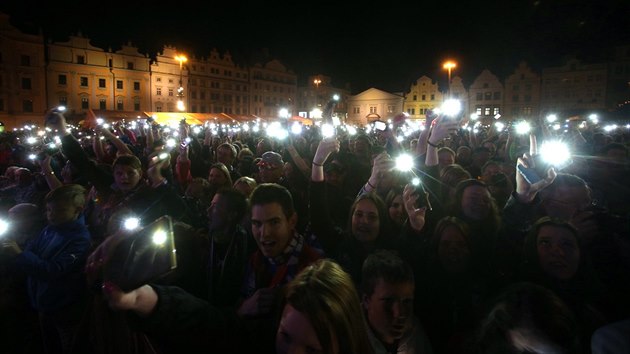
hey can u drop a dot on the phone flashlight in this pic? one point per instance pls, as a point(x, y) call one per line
point(4, 226)
point(131, 223)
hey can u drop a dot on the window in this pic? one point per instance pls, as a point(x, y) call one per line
point(159, 79)
point(356, 110)
point(119, 84)
point(136, 104)
point(119, 104)
point(415, 97)
point(102, 104)
point(85, 103)
point(158, 108)
point(486, 111)
point(170, 92)
point(424, 97)
point(26, 83)
point(432, 97)
point(170, 81)
point(25, 60)
point(515, 98)
point(111, 63)
point(372, 109)
point(495, 111)
point(80, 59)
point(479, 96)
point(63, 101)
point(136, 86)
point(130, 65)
point(158, 91)
point(62, 79)
point(486, 85)
point(83, 81)
point(527, 111)
point(101, 83)
point(487, 96)
point(528, 98)
point(27, 106)
point(390, 109)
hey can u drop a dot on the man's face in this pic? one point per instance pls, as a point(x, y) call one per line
point(270, 173)
point(558, 252)
point(271, 229)
point(365, 221)
point(445, 158)
point(566, 201)
point(126, 177)
point(389, 309)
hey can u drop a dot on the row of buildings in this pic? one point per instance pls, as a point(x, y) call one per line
point(36, 75)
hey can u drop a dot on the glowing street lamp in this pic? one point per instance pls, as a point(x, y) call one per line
point(449, 66)
point(180, 91)
point(317, 82)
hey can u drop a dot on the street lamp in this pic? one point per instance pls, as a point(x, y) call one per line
point(180, 91)
point(317, 82)
point(449, 66)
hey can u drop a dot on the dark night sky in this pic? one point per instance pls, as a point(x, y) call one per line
point(385, 45)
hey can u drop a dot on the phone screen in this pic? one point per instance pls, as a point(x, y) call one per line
point(143, 257)
point(530, 174)
point(380, 125)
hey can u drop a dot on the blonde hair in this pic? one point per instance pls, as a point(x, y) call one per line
point(326, 295)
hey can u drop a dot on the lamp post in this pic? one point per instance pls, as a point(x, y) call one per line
point(180, 91)
point(449, 66)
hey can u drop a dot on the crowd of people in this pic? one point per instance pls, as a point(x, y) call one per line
point(319, 243)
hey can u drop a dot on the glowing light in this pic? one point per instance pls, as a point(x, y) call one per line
point(4, 226)
point(131, 223)
point(159, 237)
point(404, 162)
point(555, 152)
point(474, 116)
point(296, 128)
point(552, 118)
point(451, 107)
point(328, 130)
point(522, 127)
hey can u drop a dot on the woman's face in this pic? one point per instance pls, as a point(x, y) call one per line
point(397, 211)
point(216, 177)
point(365, 221)
point(558, 252)
point(475, 202)
point(453, 250)
point(296, 334)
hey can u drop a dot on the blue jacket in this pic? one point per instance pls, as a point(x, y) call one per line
point(54, 262)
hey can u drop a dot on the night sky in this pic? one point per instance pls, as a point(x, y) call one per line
point(365, 44)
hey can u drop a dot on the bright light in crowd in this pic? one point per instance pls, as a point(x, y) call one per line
point(610, 128)
point(451, 107)
point(171, 142)
point(32, 156)
point(555, 153)
point(4, 226)
point(328, 130)
point(351, 130)
point(296, 128)
point(159, 237)
point(181, 106)
point(497, 116)
point(131, 223)
point(522, 127)
point(61, 108)
point(275, 130)
point(556, 126)
point(99, 121)
point(592, 116)
point(283, 113)
point(415, 181)
point(404, 162)
point(316, 113)
point(336, 97)
point(31, 140)
point(163, 156)
point(500, 126)
point(474, 116)
point(552, 118)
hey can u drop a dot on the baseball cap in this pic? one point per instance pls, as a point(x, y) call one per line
point(271, 160)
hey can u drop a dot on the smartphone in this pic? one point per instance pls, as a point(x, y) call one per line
point(378, 125)
point(530, 174)
point(423, 196)
point(143, 257)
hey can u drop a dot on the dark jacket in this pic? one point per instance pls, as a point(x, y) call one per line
point(54, 264)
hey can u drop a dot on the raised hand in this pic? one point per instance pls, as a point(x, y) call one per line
point(525, 191)
point(416, 216)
